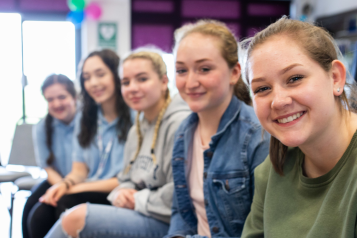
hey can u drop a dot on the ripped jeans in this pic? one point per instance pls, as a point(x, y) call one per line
point(105, 221)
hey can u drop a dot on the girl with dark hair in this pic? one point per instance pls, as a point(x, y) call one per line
point(219, 145)
point(101, 132)
point(142, 201)
point(52, 137)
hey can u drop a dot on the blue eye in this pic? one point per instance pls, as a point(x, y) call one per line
point(295, 78)
point(181, 71)
point(205, 69)
point(143, 79)
point(261, 89)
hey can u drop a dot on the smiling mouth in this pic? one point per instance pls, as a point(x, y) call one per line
point(290, 118)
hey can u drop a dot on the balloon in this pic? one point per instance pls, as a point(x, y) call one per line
point(76, 5)
point(76, 18)
point(93, 11)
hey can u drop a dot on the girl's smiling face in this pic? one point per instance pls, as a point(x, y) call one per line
point(61, 104)
point(293, 96)
point(98, 80)
point(203, 76)
point(142, 88)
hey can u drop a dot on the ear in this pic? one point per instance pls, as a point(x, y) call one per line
point(338, 74)
point(235, 74)
point(165, 82)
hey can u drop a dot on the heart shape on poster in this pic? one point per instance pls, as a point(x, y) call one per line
point(107, 31)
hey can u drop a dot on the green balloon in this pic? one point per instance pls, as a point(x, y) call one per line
point(76, 5)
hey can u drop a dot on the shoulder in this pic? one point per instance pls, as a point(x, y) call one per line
point(248, 117)
point(40, 128)
point(262, 175)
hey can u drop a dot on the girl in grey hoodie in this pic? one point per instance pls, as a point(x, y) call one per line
point(142, 201)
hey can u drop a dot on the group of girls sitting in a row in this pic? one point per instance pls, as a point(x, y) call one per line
point(177, 173)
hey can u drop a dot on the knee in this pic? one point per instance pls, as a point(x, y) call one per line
point(73, 220)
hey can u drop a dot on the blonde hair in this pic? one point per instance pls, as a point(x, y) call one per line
point(319, 46)
point(228, 47)
point(159, 66)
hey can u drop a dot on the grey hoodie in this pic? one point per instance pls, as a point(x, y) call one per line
point(153, 181)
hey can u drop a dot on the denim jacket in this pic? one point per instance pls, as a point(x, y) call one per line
point(228, 179)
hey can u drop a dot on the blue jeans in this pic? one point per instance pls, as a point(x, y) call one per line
point(108, 221)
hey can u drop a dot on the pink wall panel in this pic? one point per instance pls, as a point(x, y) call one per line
point(258, 9)
point(44, 5)
point(158, 35)
point(209, 8)
point(153, 6)
point(7, 5)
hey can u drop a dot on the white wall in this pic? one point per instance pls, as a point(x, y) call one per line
point(118, 11)
point(322, 8)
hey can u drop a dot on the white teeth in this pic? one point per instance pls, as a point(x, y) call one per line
point(290, 118)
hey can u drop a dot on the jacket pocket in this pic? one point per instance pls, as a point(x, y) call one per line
point(233, 200)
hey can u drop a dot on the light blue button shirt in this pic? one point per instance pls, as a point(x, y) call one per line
point(91, 155)
point(62, 138)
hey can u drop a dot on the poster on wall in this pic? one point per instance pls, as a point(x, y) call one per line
point(107, 35)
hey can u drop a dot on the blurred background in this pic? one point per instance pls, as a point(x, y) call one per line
point(41, 37)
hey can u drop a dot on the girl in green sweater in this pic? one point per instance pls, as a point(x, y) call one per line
point(307, 187)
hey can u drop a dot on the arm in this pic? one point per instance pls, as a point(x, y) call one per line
point(77, 175)
point(104, 186)
point(157, 203)
point(178, 227)
point(53, 176)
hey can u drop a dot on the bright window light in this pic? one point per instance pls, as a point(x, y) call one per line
point(49, 47)
point(10, 79)
point(170, 65)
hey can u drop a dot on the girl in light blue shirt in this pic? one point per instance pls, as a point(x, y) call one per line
point(52, 137)
point(100, 134)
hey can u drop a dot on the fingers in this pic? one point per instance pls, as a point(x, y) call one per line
point(125, 199)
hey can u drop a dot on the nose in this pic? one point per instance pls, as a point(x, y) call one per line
point(56, 103)
point(133, 86)
point(192, 81)
point(281, 99)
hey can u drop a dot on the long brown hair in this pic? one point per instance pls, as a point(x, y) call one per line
point(69, 86)
point(88, 122)
point(319, 46)
point(229, 48)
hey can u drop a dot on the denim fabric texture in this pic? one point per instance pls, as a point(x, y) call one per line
point(234, 151)
point(128, 224)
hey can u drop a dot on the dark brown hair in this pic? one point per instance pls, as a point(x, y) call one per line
point(69, 85)
point(88, 122)
point(229, 48)
point(318, 45)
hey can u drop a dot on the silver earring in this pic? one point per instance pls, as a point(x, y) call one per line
point(338, 90)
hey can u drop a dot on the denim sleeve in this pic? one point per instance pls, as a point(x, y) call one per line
point(178, 226)
point(39, 143)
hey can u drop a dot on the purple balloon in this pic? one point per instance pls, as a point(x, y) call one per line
point(93, 11)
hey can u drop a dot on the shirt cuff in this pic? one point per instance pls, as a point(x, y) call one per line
point(141, 197)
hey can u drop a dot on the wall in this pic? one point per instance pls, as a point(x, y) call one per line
point(118, 11)
point(322, 8)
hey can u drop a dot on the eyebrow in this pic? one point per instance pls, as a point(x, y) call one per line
point(141, 73)
point(286, 69)
point(197, 61)
point(283, 71)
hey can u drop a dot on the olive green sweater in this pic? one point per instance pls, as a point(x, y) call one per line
point(293, 205)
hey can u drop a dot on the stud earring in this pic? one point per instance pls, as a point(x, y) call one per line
point(338, 90)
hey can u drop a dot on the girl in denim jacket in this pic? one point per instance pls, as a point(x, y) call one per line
point(219, 145)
